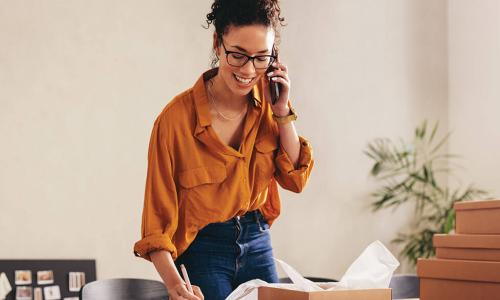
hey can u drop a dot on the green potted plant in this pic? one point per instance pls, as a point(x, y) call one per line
point(417, 172)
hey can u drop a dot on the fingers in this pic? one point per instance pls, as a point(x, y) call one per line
point(280, 66)
point(197, 292)
point(182, 293)
point(279, 73)
point(175, 296)
point(186, 294)
point(281, 80)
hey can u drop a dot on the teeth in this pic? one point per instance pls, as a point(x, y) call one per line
point(243, 80)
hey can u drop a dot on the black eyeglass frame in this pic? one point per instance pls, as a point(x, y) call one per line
point(248, 57)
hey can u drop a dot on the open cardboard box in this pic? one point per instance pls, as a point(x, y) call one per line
point(365, 279)
point(274, 293)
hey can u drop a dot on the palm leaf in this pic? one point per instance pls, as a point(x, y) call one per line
point(407, 172)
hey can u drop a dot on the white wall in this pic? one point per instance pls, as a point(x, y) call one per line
point(82, 81)
point(361, 69)
point(474, 90)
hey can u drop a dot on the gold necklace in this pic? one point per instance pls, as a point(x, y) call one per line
point(212, 98)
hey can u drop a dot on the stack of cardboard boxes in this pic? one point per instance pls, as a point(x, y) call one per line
point(467, 263)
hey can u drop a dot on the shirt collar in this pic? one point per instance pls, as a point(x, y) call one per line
point(201, 104)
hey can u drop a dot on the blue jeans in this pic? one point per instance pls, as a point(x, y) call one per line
point(224, 255)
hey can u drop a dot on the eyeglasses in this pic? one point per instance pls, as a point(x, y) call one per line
point(237, 59)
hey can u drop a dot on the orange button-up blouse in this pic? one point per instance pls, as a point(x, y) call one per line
point(194, 179)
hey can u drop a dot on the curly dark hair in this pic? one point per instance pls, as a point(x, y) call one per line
point(244, 12)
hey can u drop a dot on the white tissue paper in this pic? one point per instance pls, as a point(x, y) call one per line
point(5, 287)
point(371, 270)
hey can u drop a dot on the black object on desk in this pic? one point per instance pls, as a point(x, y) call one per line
point(405, 286)
point(124, 289)
point(313, 279)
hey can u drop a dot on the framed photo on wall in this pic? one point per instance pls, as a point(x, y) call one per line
point(52, 292)
point(24, 293)
point(23, 277)
point(37, 294)
point(45, 277)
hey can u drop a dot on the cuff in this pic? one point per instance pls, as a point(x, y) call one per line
point(284, 164)
point(154, 242)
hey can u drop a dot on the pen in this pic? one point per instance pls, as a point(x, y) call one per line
point(186, 278)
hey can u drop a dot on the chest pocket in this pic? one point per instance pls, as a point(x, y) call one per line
point(266, 145)
point(264, 161)
point(203, 175)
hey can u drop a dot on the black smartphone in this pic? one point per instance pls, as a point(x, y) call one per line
point(274, 86)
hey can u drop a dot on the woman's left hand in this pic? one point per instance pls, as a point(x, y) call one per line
point(280, 75)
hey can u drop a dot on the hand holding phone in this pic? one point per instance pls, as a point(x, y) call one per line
point(275, 87)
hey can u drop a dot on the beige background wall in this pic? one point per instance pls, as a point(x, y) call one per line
point(474, 90)
point(82, 81)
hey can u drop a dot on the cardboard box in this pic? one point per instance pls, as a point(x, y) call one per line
point(467, 246)
point(272, 293)
point(442, 279)
point(478, 217)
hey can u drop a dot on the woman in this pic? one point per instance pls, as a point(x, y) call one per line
point(215, 155)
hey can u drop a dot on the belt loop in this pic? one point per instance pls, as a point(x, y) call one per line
point(256, 215)
point(261, 229)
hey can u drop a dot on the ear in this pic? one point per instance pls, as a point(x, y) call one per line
point(215, 44)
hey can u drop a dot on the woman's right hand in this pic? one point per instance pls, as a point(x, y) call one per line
point(176, 287)
point(179, 291)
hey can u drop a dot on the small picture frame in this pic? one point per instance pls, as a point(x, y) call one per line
point(76, 281)
point(24, 293)
point(23, 277)
point(52, 292)
point(37, 293)
point(45, 277)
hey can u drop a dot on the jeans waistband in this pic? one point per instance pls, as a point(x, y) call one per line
point(249, 217)
point(226, 230)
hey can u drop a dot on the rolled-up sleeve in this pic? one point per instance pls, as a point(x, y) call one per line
point(289, 177)
point(160, 211)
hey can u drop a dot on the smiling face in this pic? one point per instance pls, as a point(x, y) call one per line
point(251, 40)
